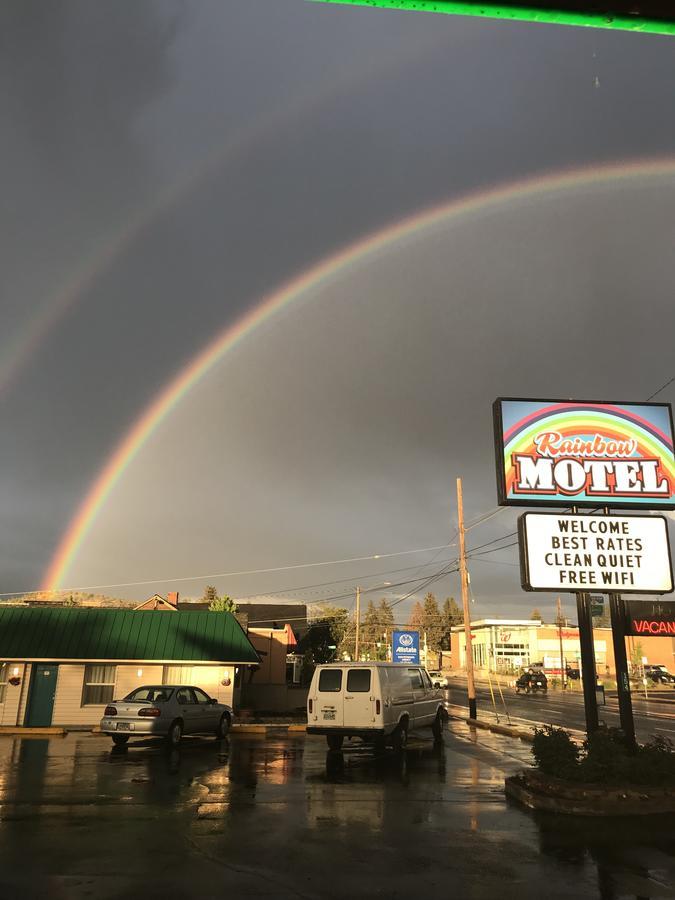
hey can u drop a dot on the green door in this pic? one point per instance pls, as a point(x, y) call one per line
point(41, 695)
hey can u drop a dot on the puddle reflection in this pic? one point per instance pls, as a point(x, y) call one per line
point(633, 857)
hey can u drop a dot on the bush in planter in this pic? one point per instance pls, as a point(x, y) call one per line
point(555, 752)
point(654, 763)
point(608, 758)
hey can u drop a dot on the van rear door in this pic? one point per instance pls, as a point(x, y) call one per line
point(329, 697)
point(359, 709)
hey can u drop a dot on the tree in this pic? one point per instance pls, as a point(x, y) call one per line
point(451, 615)
point(210, 594)
point(330, 637)
point(385, 618)
point(431, 623)
point(370, 632)
point(416, 616)
point(535, 614)
point(222, 604)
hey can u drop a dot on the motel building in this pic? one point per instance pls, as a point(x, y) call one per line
point(61, 666)
point(508, 645)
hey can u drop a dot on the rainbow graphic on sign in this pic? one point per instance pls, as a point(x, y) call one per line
point(578, 453)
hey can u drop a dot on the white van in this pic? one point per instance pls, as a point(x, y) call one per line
point(377, 702)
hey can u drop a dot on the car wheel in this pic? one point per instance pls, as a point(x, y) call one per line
point(175, 733)
point(399, 738)
point(119, 740)
point(437, 726)
point(334, 741)
point(223, 727)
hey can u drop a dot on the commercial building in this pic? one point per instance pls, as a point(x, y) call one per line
point(62, 666)
point(507, 645)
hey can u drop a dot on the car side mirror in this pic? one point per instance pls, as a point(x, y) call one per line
point(212, 700)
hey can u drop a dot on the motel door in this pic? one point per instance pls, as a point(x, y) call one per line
point(41, 695)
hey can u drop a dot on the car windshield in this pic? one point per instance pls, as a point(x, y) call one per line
point(151, 694)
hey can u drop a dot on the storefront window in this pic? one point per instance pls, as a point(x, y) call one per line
point(479, 655)
point(99, 685)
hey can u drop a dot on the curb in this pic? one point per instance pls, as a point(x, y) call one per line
point(24, 731)
point(271, 729)
point(514, 731)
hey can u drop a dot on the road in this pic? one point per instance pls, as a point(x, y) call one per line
point(282, 818)
point(566, 709)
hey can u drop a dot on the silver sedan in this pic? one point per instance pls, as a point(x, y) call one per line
point(166, 710)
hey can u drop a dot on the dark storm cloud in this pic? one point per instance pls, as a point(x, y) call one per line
point(107, 104)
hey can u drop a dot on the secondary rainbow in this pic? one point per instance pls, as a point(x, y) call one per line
point(295, 290)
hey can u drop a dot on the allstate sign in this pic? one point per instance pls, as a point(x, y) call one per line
point(406, 647)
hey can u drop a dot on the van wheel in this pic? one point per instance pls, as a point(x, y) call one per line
point(399, 738)
point(334, 741)
point(437, 726)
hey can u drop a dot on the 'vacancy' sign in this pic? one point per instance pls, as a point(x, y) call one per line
point(602, 554)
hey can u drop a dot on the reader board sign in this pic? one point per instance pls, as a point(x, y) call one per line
point(578, 453)
point(602, 554)
point(648, 617)
point(406, 647)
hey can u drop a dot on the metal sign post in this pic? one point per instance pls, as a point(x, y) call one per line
point(618, 620)
point(587, 454)
point(588, 671)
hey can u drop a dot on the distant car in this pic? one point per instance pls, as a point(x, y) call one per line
point(532, 681)
point(439, 680)
point(659, 674)
point(165, 710)
point(573, 673)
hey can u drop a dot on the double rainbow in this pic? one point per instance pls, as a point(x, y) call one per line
point(585, 420)
point(297, 289)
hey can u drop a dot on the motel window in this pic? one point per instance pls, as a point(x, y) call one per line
point(99, 685)
point(177, 675)
point(3, 681)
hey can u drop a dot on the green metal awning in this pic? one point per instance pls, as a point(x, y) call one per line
point(119, 634)
point(654, 16)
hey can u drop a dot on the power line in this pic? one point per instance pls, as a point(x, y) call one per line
point(330, 562)
point(494, 550)
point(490, 543)
point(354, 578)
point(662, 388)
point(485, 518)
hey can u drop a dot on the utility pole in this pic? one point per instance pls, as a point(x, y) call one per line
point(358, 625)
point(560, 622)
point(464, 576)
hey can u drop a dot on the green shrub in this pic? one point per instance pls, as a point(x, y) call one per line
point(555, 752)
point(606, 757)
point(654, 762)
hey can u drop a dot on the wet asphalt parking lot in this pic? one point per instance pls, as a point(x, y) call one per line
point(278, 816)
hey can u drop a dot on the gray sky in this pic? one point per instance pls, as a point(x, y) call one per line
point(196, 155)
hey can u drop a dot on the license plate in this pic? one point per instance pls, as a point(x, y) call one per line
point(329, 713)
point(124, 726)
